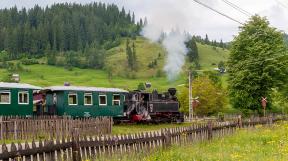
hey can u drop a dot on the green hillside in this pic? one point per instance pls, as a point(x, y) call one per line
point(146, 52)
point(45, 75)
point(209, 56)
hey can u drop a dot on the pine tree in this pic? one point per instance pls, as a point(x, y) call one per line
point(221, 44)
point(134, 57)
point(206, 40)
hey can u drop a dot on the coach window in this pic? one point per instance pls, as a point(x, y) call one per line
point(116, 99)
point(5, 97)
point(23, 97)
point(72, 99)
point(88, 99)
point(102, 100)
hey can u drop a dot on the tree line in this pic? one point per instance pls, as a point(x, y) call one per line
point(207, 41)
point(64, 27)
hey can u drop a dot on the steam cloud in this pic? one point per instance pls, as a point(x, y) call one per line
point(174, 43)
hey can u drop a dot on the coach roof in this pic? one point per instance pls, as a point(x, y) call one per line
point(18, 85)
point(82, 88)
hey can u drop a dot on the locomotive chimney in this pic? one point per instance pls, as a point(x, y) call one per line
point(172, 91)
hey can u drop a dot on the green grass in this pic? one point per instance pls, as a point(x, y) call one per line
point(256, 144)
point(209, 56)
point(45, 75)
point(130, 129)
point(261, 144)
point(145, 53)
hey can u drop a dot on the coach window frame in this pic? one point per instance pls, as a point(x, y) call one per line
point(6, 92)
point(73, 94)
point(23, 103)
point(102, 95)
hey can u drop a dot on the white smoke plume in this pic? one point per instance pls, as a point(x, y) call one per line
point(174, 43)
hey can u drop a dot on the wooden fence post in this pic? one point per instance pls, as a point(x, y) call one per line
point(209, 128)
point(166, 138)
point(15, 130)
point(76, 156)
point(270, 120)
point(1, 128)
point(239, 121)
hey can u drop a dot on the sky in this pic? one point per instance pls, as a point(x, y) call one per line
point(187, 15)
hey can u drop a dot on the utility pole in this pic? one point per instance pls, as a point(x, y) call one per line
point(190, 98)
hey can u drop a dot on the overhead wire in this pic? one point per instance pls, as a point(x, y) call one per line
point(221, 13)
point(282, 4)
point(237, 8)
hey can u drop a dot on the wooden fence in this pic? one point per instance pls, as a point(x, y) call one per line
point(20, 128)
point(83, 147)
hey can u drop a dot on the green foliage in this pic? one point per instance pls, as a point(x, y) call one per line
point(51, 58)
point(153, 64)
point(131, 55)
point(212, 98)
point(4, 56)
point(27, 61)
point(256, 64)
point(141, 87)
point(286, 39)
point(221, 67)
point(213, 43)
point(6, 78)
point(13, 67)
point(192, 51)
point(213, 76)
point(64, 27)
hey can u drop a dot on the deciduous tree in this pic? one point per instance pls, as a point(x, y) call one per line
point(256, 64)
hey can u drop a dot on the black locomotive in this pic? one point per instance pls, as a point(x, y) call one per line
point(153, 107)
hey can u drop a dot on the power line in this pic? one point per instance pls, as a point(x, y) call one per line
point(282, 4)
point(237, 8)
point(205, 5)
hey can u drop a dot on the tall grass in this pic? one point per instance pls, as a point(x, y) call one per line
point(261, 143)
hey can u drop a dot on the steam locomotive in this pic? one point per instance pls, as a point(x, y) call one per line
point(153, 107)
point(79, 101)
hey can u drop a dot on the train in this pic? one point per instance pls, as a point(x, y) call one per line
point(79, 101)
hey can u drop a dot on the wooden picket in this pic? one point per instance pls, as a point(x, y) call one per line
point(20, 128)
point(81, 146)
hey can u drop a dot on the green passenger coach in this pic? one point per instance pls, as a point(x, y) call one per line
point(79, 101)
point(16, 99)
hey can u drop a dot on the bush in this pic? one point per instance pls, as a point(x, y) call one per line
point(141, 87)
point(212, 98)
point(27, 61)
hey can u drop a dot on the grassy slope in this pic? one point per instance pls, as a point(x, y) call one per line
point(44, 75)
point(145, 51)
point(209, 56)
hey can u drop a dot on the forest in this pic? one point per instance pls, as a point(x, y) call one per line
point(60, 28)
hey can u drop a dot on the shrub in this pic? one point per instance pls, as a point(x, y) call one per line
point(27, 61)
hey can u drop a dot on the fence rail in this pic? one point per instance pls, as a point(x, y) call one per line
point(20, 128)
point(86, 147)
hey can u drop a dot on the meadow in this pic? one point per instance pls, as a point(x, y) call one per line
point(261, 143)
point(46, 75)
